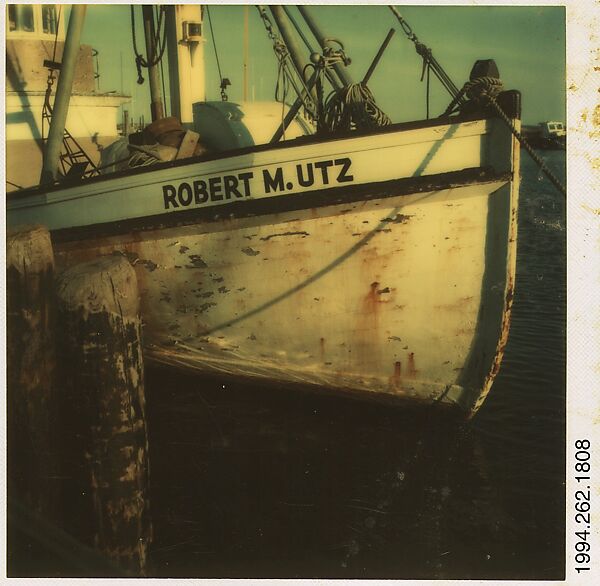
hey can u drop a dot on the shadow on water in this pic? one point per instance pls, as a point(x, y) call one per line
point(276, 484)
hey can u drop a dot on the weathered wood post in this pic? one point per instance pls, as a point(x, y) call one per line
point(105, 440)
point(32, 457)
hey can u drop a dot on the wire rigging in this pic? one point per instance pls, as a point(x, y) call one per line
point(298, 83)
point(429, 61)
point(224, 82)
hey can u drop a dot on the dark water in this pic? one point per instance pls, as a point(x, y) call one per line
point(251, 482)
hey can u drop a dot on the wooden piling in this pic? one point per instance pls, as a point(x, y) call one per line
point(31, 421)
point(105, 439)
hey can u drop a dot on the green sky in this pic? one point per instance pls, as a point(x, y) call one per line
point(528, 44)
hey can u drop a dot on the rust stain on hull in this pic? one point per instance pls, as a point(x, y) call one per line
point(412, 371)
point(395, 380)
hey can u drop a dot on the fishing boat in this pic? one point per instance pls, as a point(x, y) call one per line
point(549, 135)
point(374, 259)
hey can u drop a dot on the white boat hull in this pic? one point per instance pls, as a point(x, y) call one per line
point(396, 282)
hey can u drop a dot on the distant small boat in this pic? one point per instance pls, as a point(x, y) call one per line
point(377, 262)
point(549, 135)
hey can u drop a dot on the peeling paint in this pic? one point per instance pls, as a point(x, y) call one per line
point(412, 370)
point(150, 266)
point(250, 251)
point(395, 380)
point(197, 262)
point(398, 219)
point(303, 234)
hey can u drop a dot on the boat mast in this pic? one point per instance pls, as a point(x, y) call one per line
point(63, 95)
point(325, 42)
point(156, 102)
point(185, 45)
point(287, 34)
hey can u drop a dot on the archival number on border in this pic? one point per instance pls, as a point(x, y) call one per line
point(582, 504)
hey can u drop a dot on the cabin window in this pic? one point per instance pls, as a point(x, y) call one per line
point(49, 19)
point(20, 17)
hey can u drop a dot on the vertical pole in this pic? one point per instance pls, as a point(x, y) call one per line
point(30, 365)
point(246, 51)
point(63, 95)
point(105, 444)
point(186, 60)
point(156, 102)
point(289, 39)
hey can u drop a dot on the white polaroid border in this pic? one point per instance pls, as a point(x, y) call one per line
point(583, 294)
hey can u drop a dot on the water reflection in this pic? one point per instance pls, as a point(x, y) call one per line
point(296, 485)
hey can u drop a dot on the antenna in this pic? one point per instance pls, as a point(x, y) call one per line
point(246, 50)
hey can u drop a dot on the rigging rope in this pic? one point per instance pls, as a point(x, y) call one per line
point(306, 42)
point(223, 82)
point(429, 61)
point(537, 159)
point(283, 58)
point(348, 108)
point(139, 58)
point(475, 89)
point(299, 30)
point(485, 90)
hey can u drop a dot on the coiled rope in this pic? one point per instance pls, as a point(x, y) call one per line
point(141, 157)
point(478, 89)
point(485, 90)
point(353, 108)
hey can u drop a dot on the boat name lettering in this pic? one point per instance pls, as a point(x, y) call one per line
point(227, 187)
point(307, 174)
point(201, 191)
